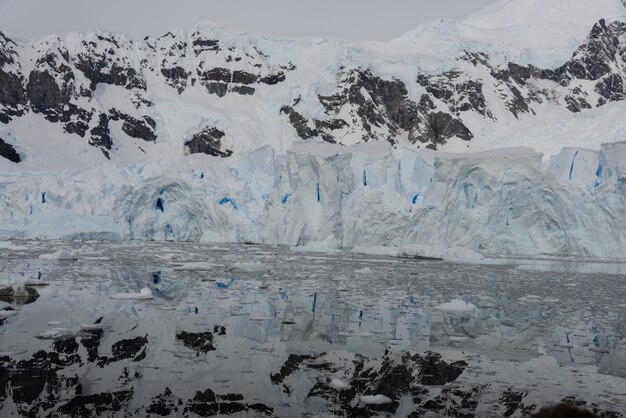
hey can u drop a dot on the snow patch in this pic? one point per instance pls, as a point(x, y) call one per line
point(339, 384)
point(456, 305)
point(374, 399)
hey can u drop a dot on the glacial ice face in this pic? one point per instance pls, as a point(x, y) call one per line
point(501, 202)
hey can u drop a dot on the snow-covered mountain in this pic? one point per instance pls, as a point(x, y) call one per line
point(125, 114)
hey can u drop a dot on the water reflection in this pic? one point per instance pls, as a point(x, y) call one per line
point(318, 303)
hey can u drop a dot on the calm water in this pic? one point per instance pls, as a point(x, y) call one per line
point(529, 332)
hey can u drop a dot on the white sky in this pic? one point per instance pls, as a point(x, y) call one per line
point(350, 19)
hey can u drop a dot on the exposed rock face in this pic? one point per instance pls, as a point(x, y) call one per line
point(60, 80)
point(301, 124)
point(64, 81)
point(176, 77)
point(135, 128)
point(379, 109)
point(7, 151)
point(100, 134)
point(105, 59)
point(208, 141)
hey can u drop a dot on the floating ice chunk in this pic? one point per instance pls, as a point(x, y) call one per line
point(456, 305)
point(456, 339)
point(225, 285)
point(59, 255)
point(36, 283)
point(6, 245)
point(374, 399)
point(143, 294)
point(261, 318)
point(91, 327)
point(249, 267)
point(57, 334)
point(354, 334)
point(339, 384)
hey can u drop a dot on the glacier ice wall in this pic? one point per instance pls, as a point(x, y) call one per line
point(500, 202)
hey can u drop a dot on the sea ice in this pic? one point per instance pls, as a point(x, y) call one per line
point(60, 255)
point(143, 294)
point(249, 267)
point(56, 334)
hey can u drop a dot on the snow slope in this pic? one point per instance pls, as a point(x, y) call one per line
point(504, 13)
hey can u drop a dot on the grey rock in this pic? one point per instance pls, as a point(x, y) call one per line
point(135, 128)
point(43, 91)
point(176, 77)
point(201, 45)
point(7, 151)
point(299, 122)
point(101, 136)
point(220, 89)
point(208, 141)
point(217, 74)
point(244, 77)
point(243, 90)
point(11, 89)
point(273, 79)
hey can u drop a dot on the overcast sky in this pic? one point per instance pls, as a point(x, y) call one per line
point(351, 19)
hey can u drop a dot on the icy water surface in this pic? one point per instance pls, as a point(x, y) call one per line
point(318, 334)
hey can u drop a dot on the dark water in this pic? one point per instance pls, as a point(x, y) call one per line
point(316, 335)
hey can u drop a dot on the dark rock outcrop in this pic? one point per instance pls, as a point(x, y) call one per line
point(208, 141)
point(100, 134)
point(7, 151)
point(99, 65)
point(299, 122)
point(380, 109)
point(176, 77)
point(135, 128)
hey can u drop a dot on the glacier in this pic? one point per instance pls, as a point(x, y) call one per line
point(494, 136)
point(503, 202)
